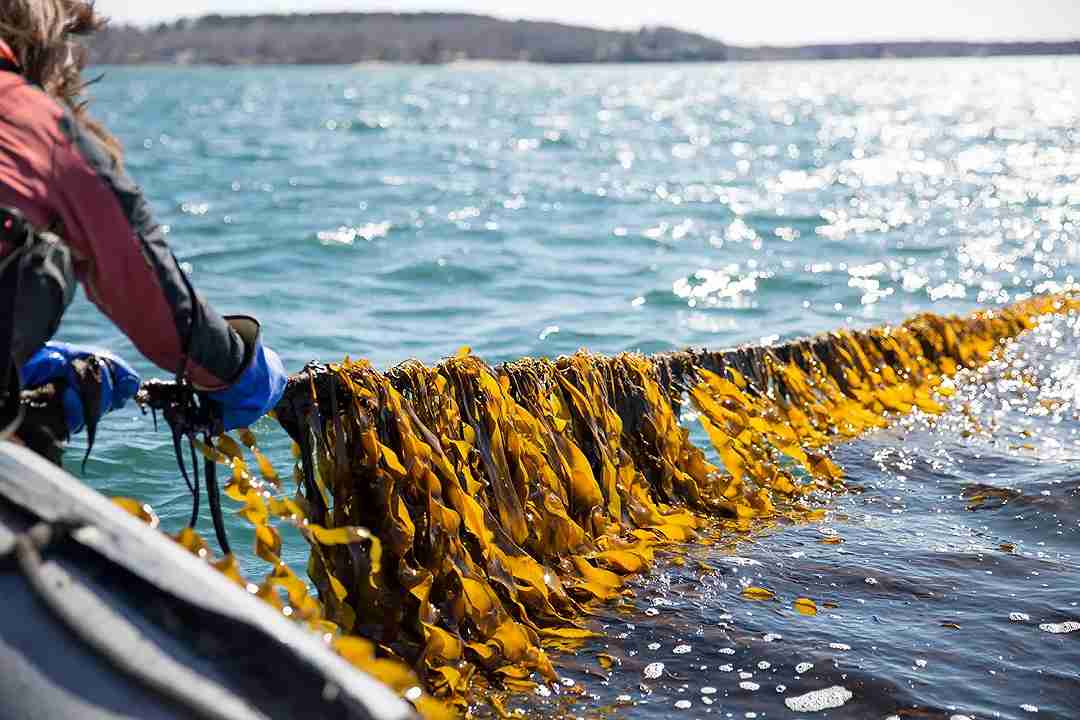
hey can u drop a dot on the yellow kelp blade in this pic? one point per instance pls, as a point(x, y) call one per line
point(463, 515)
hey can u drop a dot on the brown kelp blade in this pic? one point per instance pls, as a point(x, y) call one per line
point(499, 503)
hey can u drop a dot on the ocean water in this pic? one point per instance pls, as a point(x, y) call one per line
point(391, 213)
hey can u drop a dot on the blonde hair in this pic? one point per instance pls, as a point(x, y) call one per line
point(43, 36)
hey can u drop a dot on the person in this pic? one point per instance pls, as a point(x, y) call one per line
point(70, 214)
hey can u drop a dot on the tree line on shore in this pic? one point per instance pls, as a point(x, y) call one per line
point(436, 38)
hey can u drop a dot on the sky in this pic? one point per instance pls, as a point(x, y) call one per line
point(782, 22)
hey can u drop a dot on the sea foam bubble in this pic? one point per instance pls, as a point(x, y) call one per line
point(816, 700)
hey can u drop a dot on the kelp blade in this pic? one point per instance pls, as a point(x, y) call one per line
point(463, 517)
point(508, 500)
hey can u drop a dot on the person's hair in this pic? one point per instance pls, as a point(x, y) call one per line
point(43, 36)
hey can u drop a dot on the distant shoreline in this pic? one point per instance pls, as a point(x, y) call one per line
point(444, 38)
point(497, 64)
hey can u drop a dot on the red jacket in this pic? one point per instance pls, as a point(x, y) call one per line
point(60, 177)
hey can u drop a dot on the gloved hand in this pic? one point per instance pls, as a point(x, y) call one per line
point(261, 384)
point(119, 381)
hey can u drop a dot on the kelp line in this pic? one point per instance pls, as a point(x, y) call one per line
point(461, 516)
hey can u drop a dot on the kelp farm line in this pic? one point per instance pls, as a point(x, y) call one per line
point(463, 517)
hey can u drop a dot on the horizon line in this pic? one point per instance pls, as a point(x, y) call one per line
point(149, 24)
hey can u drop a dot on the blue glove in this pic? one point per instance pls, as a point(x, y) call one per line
point(119, 381)
point(261, 384)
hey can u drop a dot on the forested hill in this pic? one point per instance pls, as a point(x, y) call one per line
point(344, 38)
point(415, 38)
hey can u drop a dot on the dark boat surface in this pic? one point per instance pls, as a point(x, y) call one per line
point(106, 617)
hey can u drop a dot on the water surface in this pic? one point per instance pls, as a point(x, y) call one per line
point(403, 212)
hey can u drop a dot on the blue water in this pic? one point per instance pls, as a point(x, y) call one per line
point(390, 213)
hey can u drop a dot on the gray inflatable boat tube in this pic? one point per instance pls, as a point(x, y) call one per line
point(105, 617)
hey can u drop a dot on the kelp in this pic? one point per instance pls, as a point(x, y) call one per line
point(281, 588)
point(463, 517)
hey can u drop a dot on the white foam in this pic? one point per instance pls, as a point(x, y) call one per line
point(1057, 628)
point(684, 704)
point(764, 665)
point(708, 690)
point(740, 561)
point(804, 667)
point(681, 649)
point(654, 646)
point(748, 685)
point(772, 637)
point(839, 646)
point(1019, 617)
point(1028, 707)
point(653, 670)
point(726, 668)
point(816, 700)
point(726, 651)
